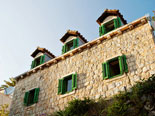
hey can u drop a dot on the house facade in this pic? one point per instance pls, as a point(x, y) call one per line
point(121, 55)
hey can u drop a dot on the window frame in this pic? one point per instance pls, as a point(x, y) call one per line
point(42, 60)
point(117, 24)
point(35, 97)
point(75, 45)
point(67, 44)
point(122, 65)
point(62, 83)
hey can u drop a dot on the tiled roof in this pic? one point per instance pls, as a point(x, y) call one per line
point(72, 33)
point(43, 50)
point(107, 13)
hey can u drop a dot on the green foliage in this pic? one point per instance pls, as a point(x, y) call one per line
point(76, 108)
point(123, 104)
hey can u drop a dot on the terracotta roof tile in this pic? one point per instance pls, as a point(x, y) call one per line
point(43, 50)
point(72, 33)
point(107, 13)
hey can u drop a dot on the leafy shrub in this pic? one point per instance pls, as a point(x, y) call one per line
point(123, 104)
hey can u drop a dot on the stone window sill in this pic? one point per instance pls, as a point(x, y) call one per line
point(30, 107)
point(115, 78)
point(68, 94)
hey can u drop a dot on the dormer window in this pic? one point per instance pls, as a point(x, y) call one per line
point(70, 45)
point(110, 20)
point(38, 61)
point(41, 55)
point(72, 40)
point(109, 26)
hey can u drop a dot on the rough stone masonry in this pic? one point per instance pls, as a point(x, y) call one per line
point(137, 44)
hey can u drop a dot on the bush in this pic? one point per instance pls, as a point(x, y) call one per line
point(124, 104)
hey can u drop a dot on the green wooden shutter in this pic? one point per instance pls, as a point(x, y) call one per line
point(121, 64)
point(116, 23)
point(125, 63)
point(74, 81)
point(26, 98)
point(36, 94)
point(103, 30)
point(107, 69)
point(100, 31)
point(63, 86)
point(76, 42)
point(104, 72)
point(32, 65)
point(119, 21)
point(42, 59)
point(63, 49)
point(60, 86)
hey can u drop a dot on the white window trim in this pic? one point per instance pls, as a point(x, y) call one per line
point(67, 75)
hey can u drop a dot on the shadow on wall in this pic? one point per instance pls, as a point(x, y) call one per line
point(132, 66)
point(81, 80)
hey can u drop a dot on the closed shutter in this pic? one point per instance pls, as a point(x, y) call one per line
point(121, 64)
point(32, 65)
point(74, 81)
point(36, 94)
point(26, 98)
point(125, 64)
point(60, 86)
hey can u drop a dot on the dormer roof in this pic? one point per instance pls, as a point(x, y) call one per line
point(72, 33)
point(107, 13)
point(42, 50)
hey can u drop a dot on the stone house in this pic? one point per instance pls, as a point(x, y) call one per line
point(121, 55)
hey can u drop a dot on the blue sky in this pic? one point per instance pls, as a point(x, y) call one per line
point(26, 24)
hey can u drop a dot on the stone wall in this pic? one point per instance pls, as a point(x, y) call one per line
point(137, 44)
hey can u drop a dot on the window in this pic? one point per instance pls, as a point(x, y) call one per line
point(109, 26)
point(31, 97)
point(38, 61)
point(67, 84)
point(114, 67)
point(70, 45)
